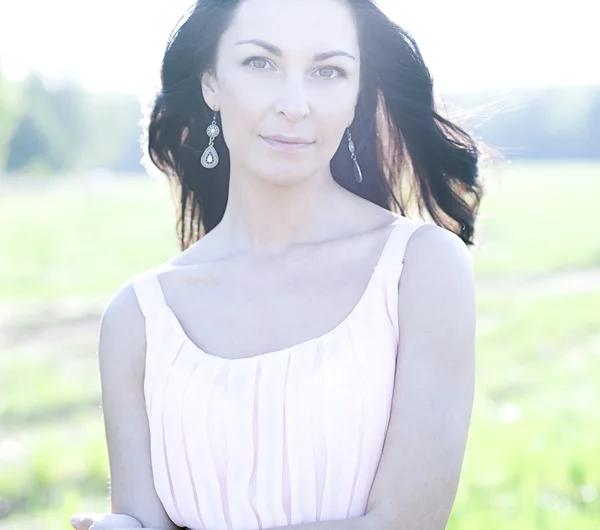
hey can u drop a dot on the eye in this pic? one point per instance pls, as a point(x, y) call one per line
point(256, 62)
point(332, 72)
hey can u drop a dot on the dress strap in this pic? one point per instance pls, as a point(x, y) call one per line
point(148, 292)
point(392, 258)
point(392, 264)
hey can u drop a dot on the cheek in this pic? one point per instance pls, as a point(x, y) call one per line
point(333, 110)
point(244, 93)
point(333, 115)
point(242, 109)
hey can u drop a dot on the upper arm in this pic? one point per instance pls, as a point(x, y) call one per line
point(121, 353)
point(419, 471)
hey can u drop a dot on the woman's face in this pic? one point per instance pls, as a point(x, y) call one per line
point(287, 68)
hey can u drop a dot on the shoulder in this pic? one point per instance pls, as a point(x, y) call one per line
point(437, 274)
point(434, 250)
point(122, 327)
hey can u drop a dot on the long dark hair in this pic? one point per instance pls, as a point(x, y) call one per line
point(409, 154)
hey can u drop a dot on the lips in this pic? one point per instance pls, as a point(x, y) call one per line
point(294, 140)
point(287, 144)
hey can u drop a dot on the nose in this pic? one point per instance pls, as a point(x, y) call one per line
point(293, 100)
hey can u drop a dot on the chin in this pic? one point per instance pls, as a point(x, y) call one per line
point(284, 176)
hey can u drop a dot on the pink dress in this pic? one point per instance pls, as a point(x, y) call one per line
point(286, 437)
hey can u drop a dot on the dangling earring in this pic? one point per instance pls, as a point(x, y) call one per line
point(210, 158)
point(357, 172)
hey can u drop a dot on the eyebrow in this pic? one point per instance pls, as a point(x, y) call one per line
point(276, 51)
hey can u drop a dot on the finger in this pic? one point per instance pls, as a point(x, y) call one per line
point(107, 525)
point(82, 521)
point(103, 521)
point(112, 520)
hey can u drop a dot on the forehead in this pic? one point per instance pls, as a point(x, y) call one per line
point(295, 25)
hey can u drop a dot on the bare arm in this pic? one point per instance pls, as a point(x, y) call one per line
point(418, 475)
point(121, 353)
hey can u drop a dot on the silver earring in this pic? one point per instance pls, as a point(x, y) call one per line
point(210, 158)
point(351, 148)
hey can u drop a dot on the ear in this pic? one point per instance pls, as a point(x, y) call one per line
point(351, 120)
point(210, 90)
point(353, 113)
point(352, 116)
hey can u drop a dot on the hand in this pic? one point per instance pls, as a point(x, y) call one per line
point(104, 521)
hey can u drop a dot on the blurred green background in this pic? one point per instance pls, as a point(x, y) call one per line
point(532, 460)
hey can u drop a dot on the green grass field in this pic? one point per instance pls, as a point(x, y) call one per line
point(532, 460)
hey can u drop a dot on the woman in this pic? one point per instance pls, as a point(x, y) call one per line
point(308, 361)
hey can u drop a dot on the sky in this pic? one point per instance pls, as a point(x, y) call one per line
point(468, 45)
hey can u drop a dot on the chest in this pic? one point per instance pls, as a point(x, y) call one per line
point(241, 310)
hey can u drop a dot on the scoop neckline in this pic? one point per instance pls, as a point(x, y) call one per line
point(291, 349)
